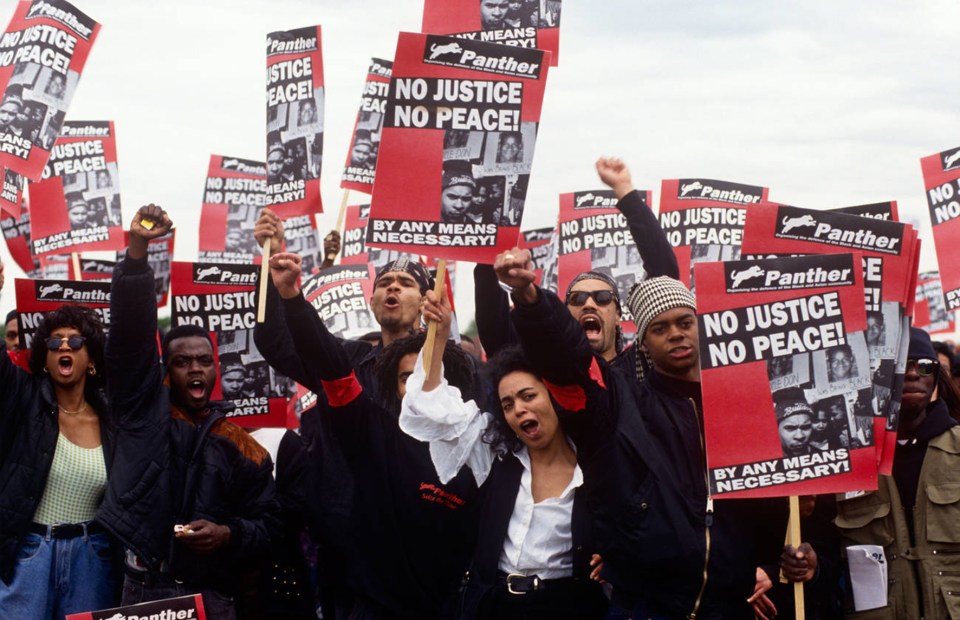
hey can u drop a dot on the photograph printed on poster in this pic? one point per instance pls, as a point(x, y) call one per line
point(843, 368)
point(509, 152)
point(790, 371)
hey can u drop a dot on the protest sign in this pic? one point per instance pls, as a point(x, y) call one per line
point(703, 219)
point(941, 179)
point(353, 247)
point(294, 121)
point(931, 312)
point(434, 194)
point(341, 295)
point(221, 298)
point(876, 210)
point(42, 54)
point(37, 297)
point(542, 244)
point(791, 333)
point(16, 232)
point(234, 195)
point(11, 193)
point(521, 23)
point(889, 257)
point(362, 160)
point(93, 269)
point(300, 237)
point(76, 207)
point(180, 608)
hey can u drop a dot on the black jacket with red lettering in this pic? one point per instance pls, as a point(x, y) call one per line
point(645, 469)
point(413, 534)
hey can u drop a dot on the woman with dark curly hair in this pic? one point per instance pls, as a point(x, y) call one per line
point(534, 537)
point(54, 558)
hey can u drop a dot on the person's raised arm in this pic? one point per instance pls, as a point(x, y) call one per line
point(322, 356)
point(132, 358)
point(492, 311)
point(655, 251)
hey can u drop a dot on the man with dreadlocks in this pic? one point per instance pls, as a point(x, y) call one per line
point(592, 297)
point(669, 550)
point(414, 533)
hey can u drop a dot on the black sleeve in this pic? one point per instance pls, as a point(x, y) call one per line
point(322, 356)
point(655, 250)
point(16, 386)
point(257, 511)
point(492, 311)
point(274, 342)
point(291, 478)
point(553, 340)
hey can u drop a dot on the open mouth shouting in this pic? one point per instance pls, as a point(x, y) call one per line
point(392, 302)
point(197, 389)
point(65, 366)
point(530, 428)
point(592, 326)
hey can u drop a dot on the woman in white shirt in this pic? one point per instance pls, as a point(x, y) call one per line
point(534, 554)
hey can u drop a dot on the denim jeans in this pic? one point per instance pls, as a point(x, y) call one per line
point(55, 577)
point(216, 606)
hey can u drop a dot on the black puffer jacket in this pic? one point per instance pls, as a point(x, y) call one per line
point(177, 470)
point(28, 439)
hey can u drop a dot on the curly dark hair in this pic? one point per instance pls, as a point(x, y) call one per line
point(458, 368)
point(508, 360)
point(88, 323)
point(947, 392)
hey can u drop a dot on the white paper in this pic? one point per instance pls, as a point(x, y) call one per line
point(868, 576)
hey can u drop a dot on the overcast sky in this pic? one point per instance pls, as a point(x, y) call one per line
point(827, 103)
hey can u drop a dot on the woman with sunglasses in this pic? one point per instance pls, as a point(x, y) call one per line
point(533, 557)
point(54, 558)
point(914, 514)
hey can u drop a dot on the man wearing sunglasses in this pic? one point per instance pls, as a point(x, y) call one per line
point(913, 514)
point(592, 298)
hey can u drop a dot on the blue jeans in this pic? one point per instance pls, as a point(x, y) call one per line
point(55, 577)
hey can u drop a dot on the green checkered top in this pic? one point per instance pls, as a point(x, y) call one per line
point(75, 485)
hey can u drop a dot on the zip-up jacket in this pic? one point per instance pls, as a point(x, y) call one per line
point(181, 469)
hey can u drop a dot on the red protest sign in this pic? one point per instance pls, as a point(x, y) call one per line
point(457, 147)
point(37, 297)
point(294, 121)
point(931, 313)
point(542, 244)
point(180, 608)
point(11, 193)
point(791, 333)
point(354, 250)
point(361, 163)
point(341, 296)
point(876, 210)
point(889, 257)
point(221, 298)
point(233, 196)
point(703, 219)
point(16, 232)
point(43, 53)
point(941, 179)
point(521, 23)
point(76, 207)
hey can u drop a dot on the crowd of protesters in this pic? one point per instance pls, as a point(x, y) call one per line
point(554, 473)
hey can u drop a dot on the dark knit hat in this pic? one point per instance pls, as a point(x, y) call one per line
point(648, 299)
point(920, 345)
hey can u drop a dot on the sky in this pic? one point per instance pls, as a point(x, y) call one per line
point(827, 103)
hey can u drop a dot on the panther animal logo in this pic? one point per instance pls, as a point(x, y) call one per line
point(50, 289)
point(739, 277)
point(437, 50)
point(950, 160)
point(789, 223)
point(689, 187)
point(208, 271)
point(582, 200)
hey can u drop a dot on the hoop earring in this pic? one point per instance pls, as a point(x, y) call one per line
point(92, 371)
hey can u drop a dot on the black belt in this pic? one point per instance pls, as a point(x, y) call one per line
point(525, 584)
point(66, 530)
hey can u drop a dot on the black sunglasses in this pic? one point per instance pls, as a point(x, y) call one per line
point(924, 366)
point(74, 342)
point(578, 298)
